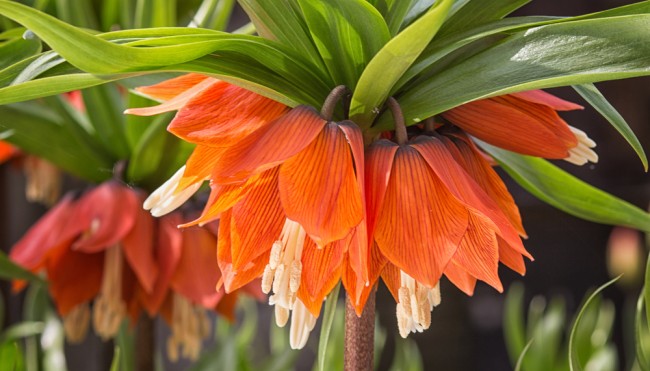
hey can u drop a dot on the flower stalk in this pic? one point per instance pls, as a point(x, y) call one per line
point(360, 335)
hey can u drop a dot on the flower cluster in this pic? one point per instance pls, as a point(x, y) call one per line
point(304, 201)
point(101, 250)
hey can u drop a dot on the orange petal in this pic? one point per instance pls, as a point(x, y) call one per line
point(508, 127)
point(319, 190)
point(234, 279)
point(175, 103)
point(226, 306)
point(74, 277)
point(319, 264)
point(168, 89)
point(511, 258)
point(485, 176)
point(199, 165)
point(315, 303)
point(30, 251)
point(420, 223)
point(168, 252)
point(459, 277)
point(391, 276)
point(357, 288)
point(107, 213)
point(197, 271)
point(463, 187)
point(6, 151)
point(358, 249)
point(138, 249)
point(270, 145)
point(478, 252)
point(550, 100)
point(380, 157)
point(224, 114)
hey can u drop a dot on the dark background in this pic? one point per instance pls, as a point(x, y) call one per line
point(466, 332)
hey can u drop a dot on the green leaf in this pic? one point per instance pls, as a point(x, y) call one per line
point(126, 347)
point(520, 360)
point(282, 20)
point(574, 362)
point(11, 356)
point(568, 53)
point(407, 356)
point(347, 33)
point(213, 14)
point(77, 12)
point(591, 94)
point(21, 330)
point(14, 47)
point(115, 364)
point(641, 332)
point(10, 271)
point(104, 108)
point(477, 12)
point(567, 193)
point(646, 290)
point(390, 63)
point(513, 322)
point(326, 326)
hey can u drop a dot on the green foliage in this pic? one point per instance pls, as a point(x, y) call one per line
point(542, 343)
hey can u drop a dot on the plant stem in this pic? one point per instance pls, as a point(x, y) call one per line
point(360, 335)
point(144, 344)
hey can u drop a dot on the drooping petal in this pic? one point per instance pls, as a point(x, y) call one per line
point(224, 114)
point(463, 187)
point(234, 279)
point(30, 251)
point(358, 288)
point(512, 258)
point(547, 99)
point(199, 165)
point(74, 277)
point(420, 223)
point(138, 247)
point(168, 252)
point(485, 176)
point(197, 272)
point(379, 162)
point(175, 103)
point(319, 190)
point(107, 213)
point(459, 277)
point(6, 151)
point(508, 127)
point(269, 146)
point(170, 88)
point(315, 303)
point(318, 264)
point(478, 252)
point(358, 249)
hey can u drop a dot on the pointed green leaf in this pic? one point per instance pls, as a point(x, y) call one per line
point(155, 13)
point(77, 12)
point(326, 327)
point(388, 65)
point(10, 271)
point(104, 108)
point(559, 54)
point(149, 150)
point(593, 96)
point(347, 33)
point(574, 362)
point(476, 12)
point(14, 47)
point(567, 193)
point(520, 360)
point(641, 332)
point(513, 321)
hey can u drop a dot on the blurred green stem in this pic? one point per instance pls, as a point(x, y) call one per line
point(360, 335)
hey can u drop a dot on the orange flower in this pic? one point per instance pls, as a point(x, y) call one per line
point(525, 122)
point(6, 151)
point(128, 262)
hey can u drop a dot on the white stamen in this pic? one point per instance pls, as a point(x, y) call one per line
point(582, 153)
point(416, 302)
point(302, 322)
point(165, 199)
point(190, 326)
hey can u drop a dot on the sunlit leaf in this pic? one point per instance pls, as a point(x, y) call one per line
point(388, 65)
point(347, 33)
point(591, 94)
point(567, 193)
point(326, 327)
point(477, 12)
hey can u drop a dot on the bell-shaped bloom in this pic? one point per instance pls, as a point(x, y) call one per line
point(429, 216)
point(527, 123)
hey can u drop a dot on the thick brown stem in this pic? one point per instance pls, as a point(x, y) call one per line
point(144, 344)
point(360, 335)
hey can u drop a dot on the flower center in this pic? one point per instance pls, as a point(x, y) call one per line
point(416, 302)
point(75, 323)
point(110, 309)
point(190, 326)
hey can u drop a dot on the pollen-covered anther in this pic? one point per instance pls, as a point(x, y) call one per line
point(282, 274)
point(109, 308)
point(415, 303)
point(76, 322)
point(190, 326)
point(582, 153)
